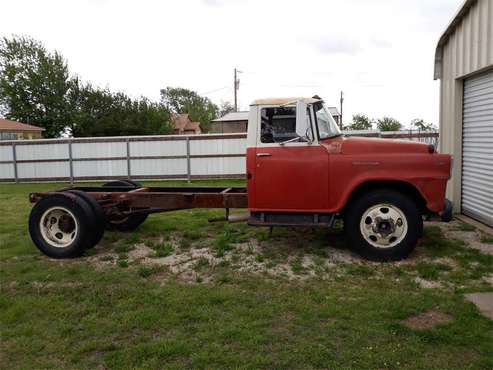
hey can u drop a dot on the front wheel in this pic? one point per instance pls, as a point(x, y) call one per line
point(383, 225)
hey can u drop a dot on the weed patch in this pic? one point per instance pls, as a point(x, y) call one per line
point(465, 227)
point(123, 263)
point(161, 249)
point(201, 263)
point(147, 271)
point(259, 258)
point(486, 238)
point(431, 271)
point(359, 270)
point(297, 266)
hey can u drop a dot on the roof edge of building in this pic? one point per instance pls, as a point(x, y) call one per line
point(19, 126)
point(463, 10)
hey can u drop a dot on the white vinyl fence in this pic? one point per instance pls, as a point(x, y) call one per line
point(140, 157)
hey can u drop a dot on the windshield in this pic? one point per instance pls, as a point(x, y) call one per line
point(327, 127)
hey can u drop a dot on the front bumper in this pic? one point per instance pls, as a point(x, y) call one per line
point(447, 213)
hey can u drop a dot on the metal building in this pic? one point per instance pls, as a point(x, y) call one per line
point(464, 65)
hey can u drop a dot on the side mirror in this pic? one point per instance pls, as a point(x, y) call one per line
point(301, 119)
point(303, 128)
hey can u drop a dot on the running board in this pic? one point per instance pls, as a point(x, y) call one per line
point(325, 220)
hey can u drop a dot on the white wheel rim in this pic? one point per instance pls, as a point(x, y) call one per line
point(59, 227)
point(383, 225)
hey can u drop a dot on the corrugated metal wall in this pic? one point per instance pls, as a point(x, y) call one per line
point(468, 50)
point(477, 148)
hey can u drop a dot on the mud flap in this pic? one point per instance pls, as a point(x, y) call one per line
point(447, 213)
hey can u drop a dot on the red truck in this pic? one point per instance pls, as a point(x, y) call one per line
point(301, 171)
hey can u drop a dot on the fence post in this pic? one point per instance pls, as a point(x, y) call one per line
point(70, 161)
point(129, 168)
point(14, 158)
point(189, 170)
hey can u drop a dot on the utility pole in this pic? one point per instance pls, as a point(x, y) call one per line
point(236, 87)
point(342, 101)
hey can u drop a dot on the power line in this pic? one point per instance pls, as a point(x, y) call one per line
point(215, 90)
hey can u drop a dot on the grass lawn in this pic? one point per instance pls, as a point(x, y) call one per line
point(244, 299)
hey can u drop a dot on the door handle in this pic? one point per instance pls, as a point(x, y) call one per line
point(264, 154)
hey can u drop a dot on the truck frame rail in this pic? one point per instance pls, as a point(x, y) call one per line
point(130, 200)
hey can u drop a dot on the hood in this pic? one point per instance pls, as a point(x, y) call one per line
point(362, 145)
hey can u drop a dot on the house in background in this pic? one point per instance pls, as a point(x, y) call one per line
point(230, 123)
point(335, 114)
point(464, 66)
point(183, 125)
point(238, 122)
point(12, 130)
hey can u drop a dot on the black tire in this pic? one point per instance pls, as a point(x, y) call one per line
point(129, 223)
point(134, 183)
point(82, 214)
point(119, 184)
point(98, 217)
point(357, 210)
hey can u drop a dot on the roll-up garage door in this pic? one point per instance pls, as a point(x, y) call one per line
point(477, 148)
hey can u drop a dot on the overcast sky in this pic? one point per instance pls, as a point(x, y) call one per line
point(379, 52)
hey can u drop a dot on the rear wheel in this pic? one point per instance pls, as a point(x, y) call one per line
point(122, 184)
point(98, 218)
point(59, 225)
point(135, 184)
point(383, 225)
point(131, 222)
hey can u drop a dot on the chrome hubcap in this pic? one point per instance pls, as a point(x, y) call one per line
point(58, 227)
point(383, 225)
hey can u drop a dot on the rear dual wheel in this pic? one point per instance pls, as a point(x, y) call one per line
point(64, 225)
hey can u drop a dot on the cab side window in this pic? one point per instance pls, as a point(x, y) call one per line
point(278, 124)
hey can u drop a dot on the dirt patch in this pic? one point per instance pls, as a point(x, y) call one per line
point(472, 238)
point(40, 285)
point(285, 255)
point(446, 261)
point(428, 284)
point(427, 320)
point(489, 279)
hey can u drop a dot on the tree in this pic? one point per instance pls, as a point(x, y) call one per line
point(388, 124)
point(34, 84)
point(35, 87)
point(98, 112)
point(421, 125)
point(361, 122)
point(179, 100)
point(225, 107)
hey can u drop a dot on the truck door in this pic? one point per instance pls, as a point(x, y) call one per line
point(291, 173)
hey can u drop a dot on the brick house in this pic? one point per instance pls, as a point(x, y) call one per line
point(183, 125)
point(13, 130)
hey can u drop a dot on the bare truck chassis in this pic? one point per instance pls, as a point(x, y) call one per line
point(119, 202)
point(124, 205)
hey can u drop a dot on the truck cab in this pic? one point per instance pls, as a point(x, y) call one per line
point(301, 170)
